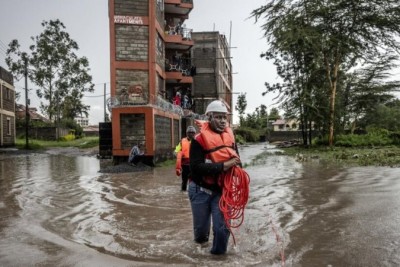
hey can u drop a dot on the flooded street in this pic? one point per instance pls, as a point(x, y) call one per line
point(59, 210)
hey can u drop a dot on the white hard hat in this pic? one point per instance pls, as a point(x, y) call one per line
point(191, 129)
point(216, 106)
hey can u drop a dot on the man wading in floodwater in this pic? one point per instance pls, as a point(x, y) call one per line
point(182, 151)
point(212, 153)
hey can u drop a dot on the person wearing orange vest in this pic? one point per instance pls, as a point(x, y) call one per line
point(212, 153)
point(182, 151)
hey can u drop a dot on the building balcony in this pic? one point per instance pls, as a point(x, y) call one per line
point(181, 7)
point(123, 101)
point(178, 38)
point(178, 77)
point(178, 68)
point(178, 73)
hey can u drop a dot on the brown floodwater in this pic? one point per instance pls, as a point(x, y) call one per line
point(60, 210)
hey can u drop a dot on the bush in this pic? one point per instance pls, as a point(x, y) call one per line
point(395, 138)
point(239, 139)
point(20, 123)
point(248, 134)
point(374, 137)
point(68, 137)
point(73, 125)
point(320, 141)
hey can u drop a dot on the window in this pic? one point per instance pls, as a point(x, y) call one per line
point(8, 126)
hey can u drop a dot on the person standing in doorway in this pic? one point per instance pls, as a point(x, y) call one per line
point(182, 151)
point(212, 153)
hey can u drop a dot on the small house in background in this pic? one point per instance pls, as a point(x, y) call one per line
point(88, 130)
point(20, 113)
point(91, 130)
point(82, 121)
point(7, 109)
point(286, 125)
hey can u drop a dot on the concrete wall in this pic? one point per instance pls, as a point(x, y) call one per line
point(8, 104)
point(42, 133)
point(284, 136)
point(163, 138)
point(7, 137)
point(132, 7)
point(204, 58)
point(126, 79)
point(132, 42)
point(7, 109)
point(132, 130)
point(177, 136)
point(213, 79)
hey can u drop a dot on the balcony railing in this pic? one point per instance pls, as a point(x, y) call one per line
point(159, 102)
point(167, 106)
point(178, 30)
point(186, 70)
point(178, 63)
point(176, 2)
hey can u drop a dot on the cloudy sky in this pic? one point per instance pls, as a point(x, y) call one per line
point(87, 23)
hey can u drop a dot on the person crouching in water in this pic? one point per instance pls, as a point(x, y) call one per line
point(182, 151)
point(136, 154)
point(212, 152)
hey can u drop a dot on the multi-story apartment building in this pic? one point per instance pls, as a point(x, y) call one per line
point(150, 66)
point(152, 71)
point(212, 60)
point(7, 109)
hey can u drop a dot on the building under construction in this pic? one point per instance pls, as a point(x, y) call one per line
point(160, 78)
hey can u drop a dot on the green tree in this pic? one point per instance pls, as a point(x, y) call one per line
point(263, 110)
point(241, 106)
point(55, 68)
point(274, 114)
point(258, 119)
point(72, 106)
point(365, 90)
point(341, 34)
point(383, 116)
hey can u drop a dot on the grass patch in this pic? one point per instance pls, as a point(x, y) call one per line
point(365, 156)
point(167, 163)
point(34, 144)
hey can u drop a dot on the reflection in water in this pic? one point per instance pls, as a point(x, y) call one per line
point(59, 210)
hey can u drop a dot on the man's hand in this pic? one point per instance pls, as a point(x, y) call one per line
point(178, 172)
point(230, 163)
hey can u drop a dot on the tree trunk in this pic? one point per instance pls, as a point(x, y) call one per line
point(332, 99)
point(332, 78)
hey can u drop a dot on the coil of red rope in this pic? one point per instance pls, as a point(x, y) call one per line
point(235, 194)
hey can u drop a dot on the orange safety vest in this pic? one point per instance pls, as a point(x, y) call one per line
point(182, 157)
point(220, 147)
point(185, 143)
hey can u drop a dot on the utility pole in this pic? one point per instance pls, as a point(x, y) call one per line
point(58, 117)
point(105, 111)
point(26, 102)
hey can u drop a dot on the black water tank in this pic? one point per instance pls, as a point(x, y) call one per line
point(105, 139)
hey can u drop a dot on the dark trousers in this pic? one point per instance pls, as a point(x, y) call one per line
point(205, 208)
point(136, 159)
point(185, 176)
